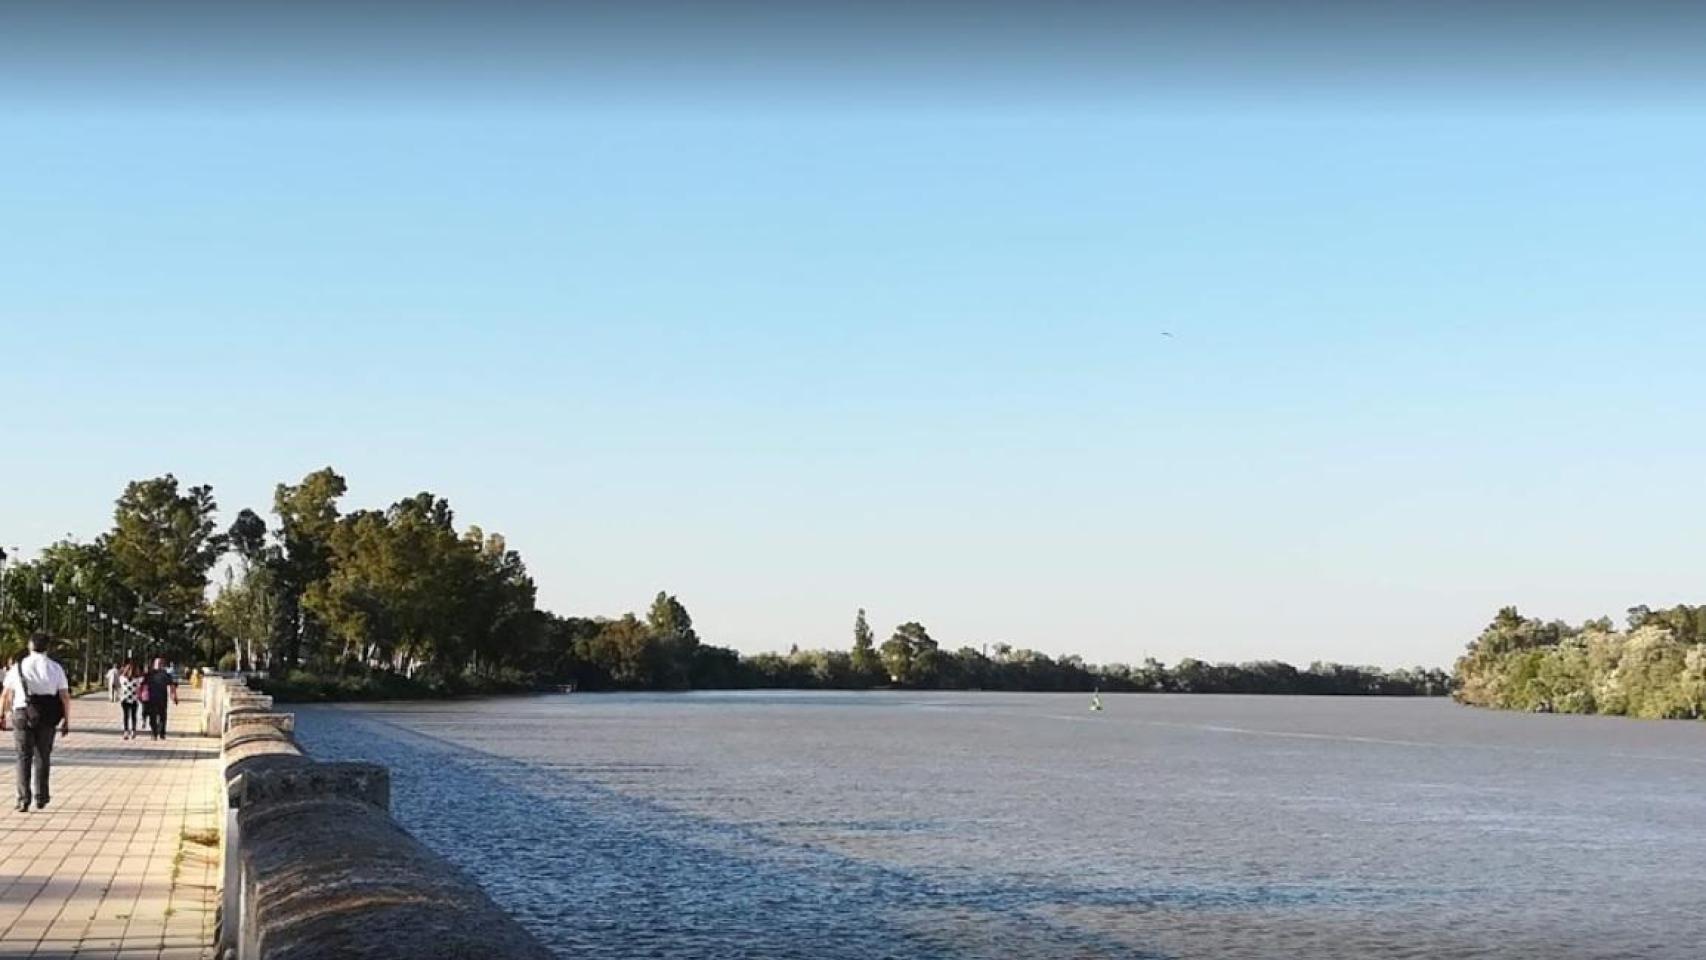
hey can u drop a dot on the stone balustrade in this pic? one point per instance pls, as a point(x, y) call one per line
point(314, 866)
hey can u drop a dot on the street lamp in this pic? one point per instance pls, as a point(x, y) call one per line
point(191, 625)
point(46, 591)
point(70, 621)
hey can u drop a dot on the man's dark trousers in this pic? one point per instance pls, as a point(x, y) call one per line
point(35, 750)
point(155, 713)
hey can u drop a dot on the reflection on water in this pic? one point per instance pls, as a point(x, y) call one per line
point(982, 825)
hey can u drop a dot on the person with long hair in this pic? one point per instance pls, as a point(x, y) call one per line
point(129, 692)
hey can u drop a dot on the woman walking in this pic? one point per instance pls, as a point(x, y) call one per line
point(129, 691)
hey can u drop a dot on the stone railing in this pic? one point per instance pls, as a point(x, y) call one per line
point(314, 866)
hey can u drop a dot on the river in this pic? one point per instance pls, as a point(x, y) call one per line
point(973, 825)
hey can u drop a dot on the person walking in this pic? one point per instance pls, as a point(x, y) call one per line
point(156, 685)
point(112, 683)
point(35, 699)
point(129, 697)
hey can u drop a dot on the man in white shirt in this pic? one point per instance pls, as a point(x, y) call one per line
point(36, 682)
point(112, 683)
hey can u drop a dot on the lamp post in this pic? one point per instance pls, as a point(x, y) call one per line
point(192, 625)
point(46, 592)
point(88, 641)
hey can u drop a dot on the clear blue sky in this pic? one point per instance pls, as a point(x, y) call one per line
point(786, 349)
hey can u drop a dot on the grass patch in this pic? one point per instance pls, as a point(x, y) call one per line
point(207, 837)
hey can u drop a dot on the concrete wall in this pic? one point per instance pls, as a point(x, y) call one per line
point(314, 866)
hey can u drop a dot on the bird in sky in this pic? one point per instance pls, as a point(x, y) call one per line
point(1166, 334)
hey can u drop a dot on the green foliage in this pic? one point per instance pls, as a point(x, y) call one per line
point(248, 537)
point(404, 590)
point(671, 631)
point(625, 652)
point(1655, 669)
point(307, 514)
point(394, 603)
point(300, 686)
point(910, 656)
point(865, 665)
point(132, 581)
point(1026, 670)
point(163, 544)
point(243, 614)
point(21, 608)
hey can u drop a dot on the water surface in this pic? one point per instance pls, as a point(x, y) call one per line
point(970, 825)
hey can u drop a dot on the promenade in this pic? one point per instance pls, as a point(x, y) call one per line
point(123, 862)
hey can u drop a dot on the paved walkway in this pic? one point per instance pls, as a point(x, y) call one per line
point(123, 862)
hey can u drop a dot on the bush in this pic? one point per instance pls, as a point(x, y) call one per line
point(301, 686)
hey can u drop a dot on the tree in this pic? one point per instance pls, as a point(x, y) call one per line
point(248, 536)
point(394, 585)
point(1191, 675)
point(245, 609)
point(20, 607)
point(163, 544)
point(867, 667)
point(242, 612)
point(625, 648)
point(909, 655)
point(672, 630)
point(500, 623)
point(404, 591)
point(307, 514)
point(1654, 668)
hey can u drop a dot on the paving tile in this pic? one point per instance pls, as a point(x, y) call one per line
point(91, 875)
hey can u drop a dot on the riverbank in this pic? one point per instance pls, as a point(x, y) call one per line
point(304, 687)
point(1653, 670)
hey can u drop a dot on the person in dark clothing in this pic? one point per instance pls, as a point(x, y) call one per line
point(159, 683)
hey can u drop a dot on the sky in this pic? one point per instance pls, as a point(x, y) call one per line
point(1122, 330)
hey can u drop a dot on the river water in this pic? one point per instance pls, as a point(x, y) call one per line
point(972, 825)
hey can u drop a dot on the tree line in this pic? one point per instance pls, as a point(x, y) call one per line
point(1654, 667)
point(399, 601)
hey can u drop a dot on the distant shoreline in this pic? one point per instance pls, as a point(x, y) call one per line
point(1654, 669)
point(309, 690)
